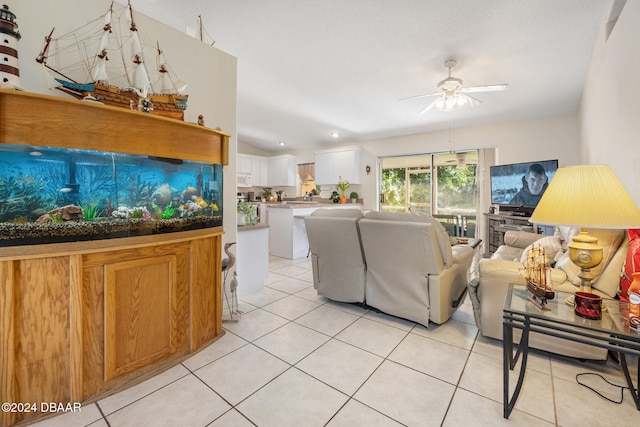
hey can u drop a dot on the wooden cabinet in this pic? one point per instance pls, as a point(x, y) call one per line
point(342, 162)
point(282, 171)
point(96, 317)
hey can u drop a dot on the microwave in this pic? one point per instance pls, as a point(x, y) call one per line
point(243, 180)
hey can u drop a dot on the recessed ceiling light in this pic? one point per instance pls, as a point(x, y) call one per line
point(281, 143)
point(335, 134)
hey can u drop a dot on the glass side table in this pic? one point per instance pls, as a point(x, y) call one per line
point(611, 332)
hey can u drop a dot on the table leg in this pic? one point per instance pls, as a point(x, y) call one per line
point(634, 391)
point(509, 362)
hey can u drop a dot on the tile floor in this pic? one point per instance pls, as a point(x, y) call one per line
point(297, 359)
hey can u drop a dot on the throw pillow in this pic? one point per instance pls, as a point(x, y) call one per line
point(570, 269)
point(552, 248)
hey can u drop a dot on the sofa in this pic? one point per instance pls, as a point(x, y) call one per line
point(488, 293)
point(409, 267)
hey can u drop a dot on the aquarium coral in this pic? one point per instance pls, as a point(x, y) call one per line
point(138, 212)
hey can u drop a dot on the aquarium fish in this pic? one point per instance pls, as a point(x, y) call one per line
point(39, 212)
point(65, 190)
point(26, 179)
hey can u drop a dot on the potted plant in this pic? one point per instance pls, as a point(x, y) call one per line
point(335, 197)
point(353, 196)
point(247, 214)
point(266, 194)
point(342, 189)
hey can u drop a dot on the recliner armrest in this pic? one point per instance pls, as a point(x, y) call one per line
point(462, 254)
point(509, 271)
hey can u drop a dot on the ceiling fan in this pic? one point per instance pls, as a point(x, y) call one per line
point(451, 94)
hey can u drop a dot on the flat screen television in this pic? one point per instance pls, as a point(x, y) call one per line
point(517, 187)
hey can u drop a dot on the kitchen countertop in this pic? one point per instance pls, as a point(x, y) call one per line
point(252, 227)
point(304, 205)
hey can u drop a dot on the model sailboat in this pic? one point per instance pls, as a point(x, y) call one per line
point(537, 272)
point(104, 61)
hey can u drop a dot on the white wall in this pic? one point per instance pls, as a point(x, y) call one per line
point(209, 72)
point(610, 108)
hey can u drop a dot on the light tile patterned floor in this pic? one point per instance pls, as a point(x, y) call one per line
point(297, 359)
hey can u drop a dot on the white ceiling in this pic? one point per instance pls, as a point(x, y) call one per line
point(310, 67)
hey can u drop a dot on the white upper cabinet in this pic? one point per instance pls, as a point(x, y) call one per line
point(338, 162)
point(282, 171)
point(255, 166)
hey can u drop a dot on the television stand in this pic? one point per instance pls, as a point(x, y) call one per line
point(498, 224)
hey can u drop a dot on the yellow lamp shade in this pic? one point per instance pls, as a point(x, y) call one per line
point(589, 196)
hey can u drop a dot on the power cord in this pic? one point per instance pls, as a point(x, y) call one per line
point(622, 388)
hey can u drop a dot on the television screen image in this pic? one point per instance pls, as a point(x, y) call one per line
point(521, 184)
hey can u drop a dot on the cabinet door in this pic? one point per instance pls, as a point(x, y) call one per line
point(282, 171)
point(243, 164)
point(341, 162)
point(264, 173)
point(255, 171)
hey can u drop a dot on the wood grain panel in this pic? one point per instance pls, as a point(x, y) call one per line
point(206, 316)
point(139, 308)
point(7, 338)
point(42, 330)
point(108, 128)
point(92, 330)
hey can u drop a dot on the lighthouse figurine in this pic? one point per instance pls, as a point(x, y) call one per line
point(9, 36)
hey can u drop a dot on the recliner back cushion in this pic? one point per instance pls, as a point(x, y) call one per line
point(338, 213)
point(442, 236)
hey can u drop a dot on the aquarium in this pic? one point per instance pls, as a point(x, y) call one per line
point(53, 195)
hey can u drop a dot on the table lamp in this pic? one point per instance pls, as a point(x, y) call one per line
point(589, 196)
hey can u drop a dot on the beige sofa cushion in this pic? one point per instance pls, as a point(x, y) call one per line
point(441, 234)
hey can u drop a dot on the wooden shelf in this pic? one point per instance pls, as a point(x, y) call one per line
point(42, 120)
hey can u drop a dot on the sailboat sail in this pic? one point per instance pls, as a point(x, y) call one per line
point(105, 60)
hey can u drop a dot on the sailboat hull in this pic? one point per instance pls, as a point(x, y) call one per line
point(168, 105)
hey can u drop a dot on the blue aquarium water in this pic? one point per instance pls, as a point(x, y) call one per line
point(52, 194)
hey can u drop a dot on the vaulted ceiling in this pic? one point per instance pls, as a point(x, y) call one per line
point(307, 68)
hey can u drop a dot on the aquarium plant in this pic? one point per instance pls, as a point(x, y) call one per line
point(168, 212)
point(90, 211)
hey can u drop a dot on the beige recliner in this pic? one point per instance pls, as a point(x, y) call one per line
point(336, 256)
point(495, 274)
point(412, 270)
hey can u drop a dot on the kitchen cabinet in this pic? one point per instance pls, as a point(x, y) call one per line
point(338, 162)
point(282, 171)
point(254, 166)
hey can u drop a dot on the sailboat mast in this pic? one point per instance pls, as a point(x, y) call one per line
point(42, 57)
point(140, 78)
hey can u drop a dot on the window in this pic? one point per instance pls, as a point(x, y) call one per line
point(443, 185)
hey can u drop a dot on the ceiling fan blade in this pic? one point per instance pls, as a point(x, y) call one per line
point(430, 106)
point(473, 101)
point(421, 96)
point(488, 88)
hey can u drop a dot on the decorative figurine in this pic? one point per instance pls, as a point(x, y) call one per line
point(9, 71)
point(201, 120)
point(536, 272)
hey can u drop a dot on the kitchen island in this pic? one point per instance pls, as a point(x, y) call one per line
point(253, 257)
point(288, 236)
